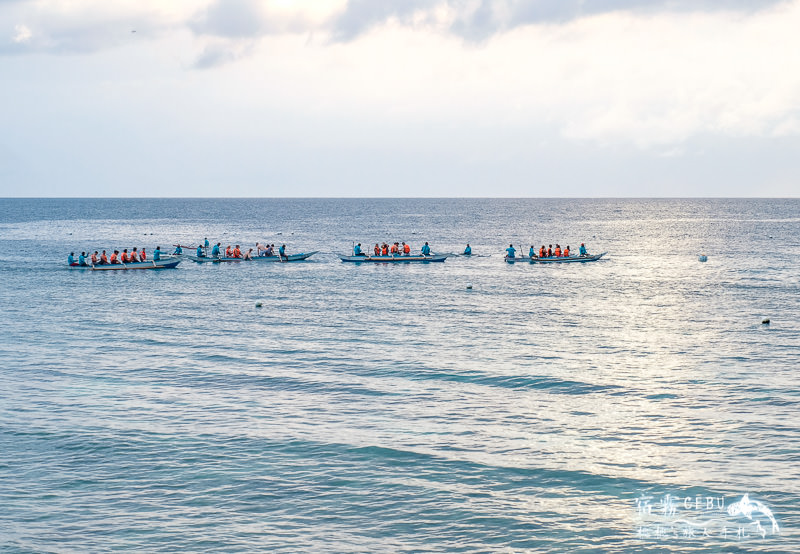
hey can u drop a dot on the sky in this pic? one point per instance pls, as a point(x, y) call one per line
point(390, 98)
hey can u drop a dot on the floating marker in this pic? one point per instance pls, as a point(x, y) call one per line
point(469, 286)
point(765, 322)
point(702, 258)
point(258, 304)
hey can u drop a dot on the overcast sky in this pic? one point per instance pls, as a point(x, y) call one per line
point(399, 98)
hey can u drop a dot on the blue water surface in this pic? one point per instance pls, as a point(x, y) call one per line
point(390, 407)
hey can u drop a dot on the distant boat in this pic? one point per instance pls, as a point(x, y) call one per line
point(223, 259)
point(149, 264)
point(394, 259)
point(556, 260)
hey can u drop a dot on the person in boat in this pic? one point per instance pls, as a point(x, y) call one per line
point(237, 253)
point(229, 252)
point(249, 255)
point(215, 250)
point(200, 253)
point(385, 249)
point(357, 250)
point(71, 259)
point(511, 252)
point(426, 249)
point(94, 258)
point(178, 250)
point(582, 250)
point(260, 250)
point(542, 252)
point(82, 259)
point(114, 258)
point(103, 258)
point(550, 251)
point(157, 254)
point(468, 250)
point(395, 249)
point(531, 252)
point(123, 258)
point(271, 250)
point(557, 252)
point(133, 256)
point(205, 243)
point(282, 251)
point(406, 249)
point(143, 255)
point(566, 252)
point(377, 249)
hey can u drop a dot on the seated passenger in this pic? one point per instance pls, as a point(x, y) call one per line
point(82, 259)
point(143, 255)
point(582, 250)
point(133, 257)
point(200, 253)
point(393, 250)
point(566, 252)
point(124, 256)
point(94, 258)
point(550, 251)
point(229, 252)
point(531, 252)
point(542, 252)
point(385, 249)
point(237, 253)
point(511, 252)
point(406, 249)
point(249, 255)
point(557, 253)
point(103, 258)
point(114, 259)
point(71, 259)
point(215, 250)
point(468, 250)
point(357, 250)
point(426, 249)
point(377, 249)
point(178, 250)
point(157, 254)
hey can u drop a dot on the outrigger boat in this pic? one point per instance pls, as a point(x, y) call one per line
point(288, 258)
point(149, 264)
point(556, 260)
point(394, 259)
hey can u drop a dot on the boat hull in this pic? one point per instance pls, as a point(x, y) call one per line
point(290, 258)
point(149, 264)
point(394, 259)
point(554, 260)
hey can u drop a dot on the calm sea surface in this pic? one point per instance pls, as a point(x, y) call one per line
point(627, 404)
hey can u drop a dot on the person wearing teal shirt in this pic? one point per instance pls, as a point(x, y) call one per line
point(200, 253)
point(282, 251)
point(215, 250)
point(426, 250)
point(71, 258)
point(511, 252)
point(582, 250)
point(357, 250)
point(157, 254)
point(531, 252)
point(82, 259)
point(178, 250)
point(468, 250)
point(206, 243)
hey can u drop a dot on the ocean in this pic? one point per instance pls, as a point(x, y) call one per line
point(636, 403)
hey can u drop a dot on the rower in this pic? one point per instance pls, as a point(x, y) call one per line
point(357, 250)
point(156, 254)
point(103, 258)
point(582, 250)
point(215, 250)
point(200, 253)
point(426, 249)
point(82, 259)
point(178, 250)
point(468, 250)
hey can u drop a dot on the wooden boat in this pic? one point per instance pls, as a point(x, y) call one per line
point(290, 258)
point(149, 264)
point(555, 260)
point(394, 259)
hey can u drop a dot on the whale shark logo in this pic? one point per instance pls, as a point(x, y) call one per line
point(746, 507)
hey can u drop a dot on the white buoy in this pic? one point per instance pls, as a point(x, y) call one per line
point(258, 304)
point(702, 258)
point(469, 286)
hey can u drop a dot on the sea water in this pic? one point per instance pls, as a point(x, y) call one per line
point(619, 405)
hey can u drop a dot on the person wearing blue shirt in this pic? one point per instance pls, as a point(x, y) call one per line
point(82, 259)
point(426, 249)
point(200, 253)
point(206, 245)
point(215, 250)
point(582, 250)
point(468, 250)
point(511, 252)
point(178, 250)
point(357, 250)
point(531, 252)
point(157, 254)
point(282, 251)
point(71, 259)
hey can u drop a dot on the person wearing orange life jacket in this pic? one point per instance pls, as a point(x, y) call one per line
point(385, 249)
point(134, 256)
point(542, 252)
point(143, 255)
point(377, 249)
point(393, 250)
point(114, 259)
point(550, 251)
point(228, 252)
point(406, 249)
point(558, 251)
point(124, 256)
point(103, 258)
point(237, 253)
point(566, 252)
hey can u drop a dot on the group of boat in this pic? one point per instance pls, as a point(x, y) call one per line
point(160, 261)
